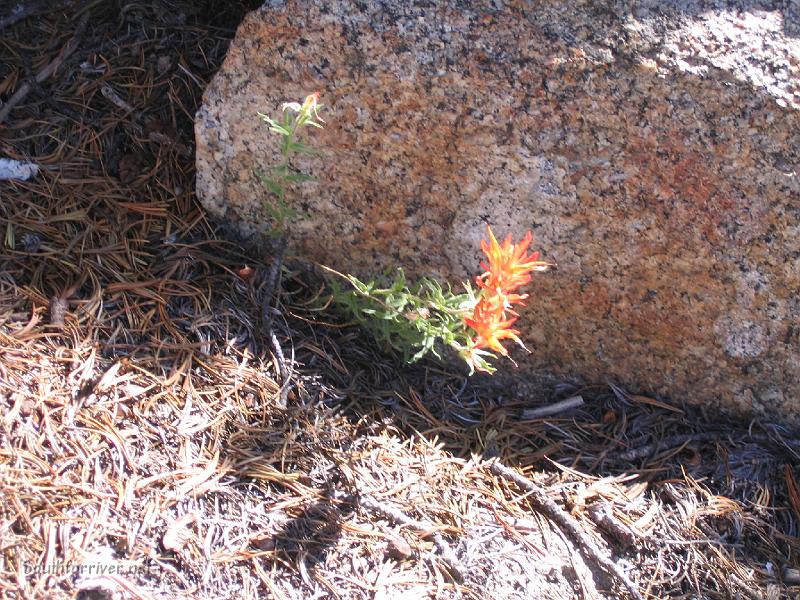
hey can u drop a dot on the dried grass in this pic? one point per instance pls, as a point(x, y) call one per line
point(140, 421)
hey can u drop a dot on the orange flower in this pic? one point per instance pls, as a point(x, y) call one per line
point(490, 323)
point(509, 265)
point(310, 105)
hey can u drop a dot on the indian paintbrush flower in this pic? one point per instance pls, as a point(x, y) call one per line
point(490, 323)
point(509, 267)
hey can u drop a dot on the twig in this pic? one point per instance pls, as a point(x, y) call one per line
point(552, 409)
point(18, 13)
point(46, 72)
point(286, 374)
point(667, 442)
point(116, 99)
point(791, 576)
point(568, 524)
point(271, 281)
point(24, 10)
point(602, 516)
point(267, 314)
point(457, 570)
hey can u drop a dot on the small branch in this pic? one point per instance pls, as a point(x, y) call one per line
point(46, 72)
point(667, 442)
point(267, 314)
point(271, 281)
point(115, 98)
point(457, 570)
point(286, 374)
point(601, 514)
point(18, 13)
point(24, 10)
point(542, 502)
point(552, 409)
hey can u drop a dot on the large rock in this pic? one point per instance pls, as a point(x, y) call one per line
point(653, 150)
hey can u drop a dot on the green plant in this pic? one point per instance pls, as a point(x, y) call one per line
point(421, 318)
point(413, 319)
point(294, 117)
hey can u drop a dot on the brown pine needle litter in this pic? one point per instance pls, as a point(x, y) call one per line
point(143, 449)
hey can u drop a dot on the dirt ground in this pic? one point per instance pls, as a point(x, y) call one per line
point(144, 452)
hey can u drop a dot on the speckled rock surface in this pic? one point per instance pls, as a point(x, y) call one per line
point(652, 147)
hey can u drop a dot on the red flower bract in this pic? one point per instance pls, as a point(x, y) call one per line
point(509, 267)
point(489, 322)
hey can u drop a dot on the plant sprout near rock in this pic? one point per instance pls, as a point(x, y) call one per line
point(294, 118)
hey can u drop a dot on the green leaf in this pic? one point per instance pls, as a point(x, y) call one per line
point(267, 119)
point(280, 129)
point(273, 186)
point(301, 148)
